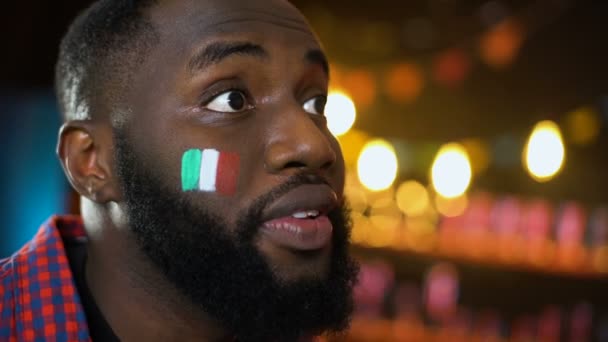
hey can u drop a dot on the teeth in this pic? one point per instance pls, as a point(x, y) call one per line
point(312, 213)
point(300, 215)
point(306, 214)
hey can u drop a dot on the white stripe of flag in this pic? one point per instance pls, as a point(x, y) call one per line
point(209, 162)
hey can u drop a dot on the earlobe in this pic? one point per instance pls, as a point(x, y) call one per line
point(84, 150)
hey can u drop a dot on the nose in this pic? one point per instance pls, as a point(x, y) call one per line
point(298, 141)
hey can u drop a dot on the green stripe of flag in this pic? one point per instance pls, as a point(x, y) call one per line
point(191, 169)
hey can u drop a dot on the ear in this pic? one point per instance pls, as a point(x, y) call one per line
point(84, 149)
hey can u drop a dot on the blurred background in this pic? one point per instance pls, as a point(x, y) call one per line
point(475, 134)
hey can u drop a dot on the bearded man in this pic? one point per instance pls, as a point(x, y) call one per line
point(212, 204)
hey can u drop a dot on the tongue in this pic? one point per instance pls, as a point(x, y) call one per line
point(300, 234)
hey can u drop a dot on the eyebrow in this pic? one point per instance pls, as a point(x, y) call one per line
point(214, 53)
point(317, 56)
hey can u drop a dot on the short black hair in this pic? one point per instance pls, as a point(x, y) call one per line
point(98, 55)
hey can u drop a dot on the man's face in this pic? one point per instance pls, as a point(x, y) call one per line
point(249, 79)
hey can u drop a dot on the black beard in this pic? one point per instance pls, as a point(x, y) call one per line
point(223, 273)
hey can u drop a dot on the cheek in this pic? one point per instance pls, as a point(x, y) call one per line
point(210, 170)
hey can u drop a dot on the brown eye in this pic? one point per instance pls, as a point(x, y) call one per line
point(231, 101)
point(316, 105)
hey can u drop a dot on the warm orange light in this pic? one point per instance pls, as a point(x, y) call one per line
point(340, 112)
point(377, 165)
point(361, 85)
point(412, 198)
point(404, 83)
point(451, 171)
point(500, 46)
point(583, 126)
point(451, 207)
point(545, 152)
point(451, 67)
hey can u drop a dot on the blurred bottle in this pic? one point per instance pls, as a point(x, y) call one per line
point(408, 324)
point(477, 222)
point(506, 219)
point(597, 238)
point(488, 327)
point(569, 233)
point(441, 293)
point(538, 219)
point(524, 329)
point(581, 323)
point(549, 325)
point(375, 278)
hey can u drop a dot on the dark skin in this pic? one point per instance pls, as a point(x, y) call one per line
point(176, 104)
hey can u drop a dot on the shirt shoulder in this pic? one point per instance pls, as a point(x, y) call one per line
point(7, 305)
point(38, 298)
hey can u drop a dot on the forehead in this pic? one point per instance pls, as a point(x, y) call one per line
point(183, 24)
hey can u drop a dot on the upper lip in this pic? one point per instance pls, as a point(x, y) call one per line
point(306, 197)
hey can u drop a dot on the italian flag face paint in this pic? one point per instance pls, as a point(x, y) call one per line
point(210, 170)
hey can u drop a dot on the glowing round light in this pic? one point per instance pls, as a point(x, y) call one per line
point(452, 207)
point(500, 45)
point(361, 85)
point(451, 171)
point(404, 83)
point(412, 198)
point(452, 67)
point(377, 165)
point(583, 126)
point(545, 153)
point(340, 112)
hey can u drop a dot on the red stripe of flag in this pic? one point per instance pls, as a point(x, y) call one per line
point(227, 173)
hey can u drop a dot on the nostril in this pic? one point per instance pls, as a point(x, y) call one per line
point(295, 164)
point(327, 165)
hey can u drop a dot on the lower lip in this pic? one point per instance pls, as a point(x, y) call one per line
point(299, 234)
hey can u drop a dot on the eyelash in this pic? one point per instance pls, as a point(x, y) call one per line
point(210, 96)
point(214, 93)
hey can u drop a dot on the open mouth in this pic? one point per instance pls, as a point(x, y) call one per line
point(299, 221)
point(300, 231)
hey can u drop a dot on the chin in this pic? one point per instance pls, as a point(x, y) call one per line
point(291, 265)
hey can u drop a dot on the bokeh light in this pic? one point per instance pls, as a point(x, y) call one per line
point(340, 112)
point(582, 126)
point(361, 85)
point(544, 153)
point(451, 67)
point(377, 165)
point(451, 207)
point(500, 45)
point(451, 171)
point(404, 83)
point(412, 198)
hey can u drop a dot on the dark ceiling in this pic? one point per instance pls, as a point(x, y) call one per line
point(563, 64)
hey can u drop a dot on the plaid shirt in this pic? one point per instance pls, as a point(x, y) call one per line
point(38, 297)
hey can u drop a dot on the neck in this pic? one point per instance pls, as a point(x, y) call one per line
point(135, 299)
